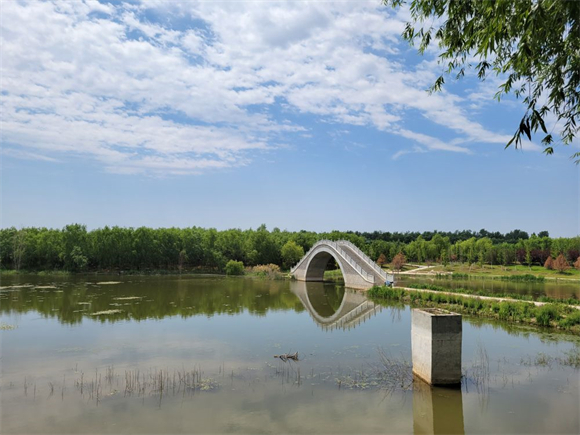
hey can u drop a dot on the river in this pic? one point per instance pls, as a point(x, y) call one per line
point(195, 354)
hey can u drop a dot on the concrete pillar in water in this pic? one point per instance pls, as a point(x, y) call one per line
point(436, 346)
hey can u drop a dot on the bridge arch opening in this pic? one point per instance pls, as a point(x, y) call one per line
point(320, 263)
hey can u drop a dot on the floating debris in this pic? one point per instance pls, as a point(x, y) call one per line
point(108, 282)
point(6, 327)
point(286, 356)
point(105, 312)
point(128, 298)
point(45, 286)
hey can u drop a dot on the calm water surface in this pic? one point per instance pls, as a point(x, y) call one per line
point(195, 354)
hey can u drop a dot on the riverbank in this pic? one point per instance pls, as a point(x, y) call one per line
point(490, 272)
point(485, 293)
point(534, 313)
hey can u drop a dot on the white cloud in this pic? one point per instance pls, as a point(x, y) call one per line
point(150, 96)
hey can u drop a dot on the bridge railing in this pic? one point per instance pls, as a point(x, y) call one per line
point(365, 257)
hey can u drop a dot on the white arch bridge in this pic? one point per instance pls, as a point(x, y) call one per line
point(358, 270)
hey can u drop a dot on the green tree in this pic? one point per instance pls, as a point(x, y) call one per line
point(291, 254)
point(234, 268)
point(534, 44)
point(182, 259)
point(18, 248)
point(444, 257)
point(78, 260)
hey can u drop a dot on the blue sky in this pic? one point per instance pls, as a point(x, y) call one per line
point(231, 114)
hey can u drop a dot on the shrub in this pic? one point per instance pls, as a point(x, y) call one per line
point(549, 264)
point(271, 271)
point(577, 263)
point(561, 264)
point(570, 320)
point(546, 314)
point(234, 268)
point(506, 310)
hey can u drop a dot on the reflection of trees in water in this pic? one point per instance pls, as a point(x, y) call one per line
point(152, 299)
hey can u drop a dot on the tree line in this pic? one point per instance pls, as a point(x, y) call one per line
point(73, 248)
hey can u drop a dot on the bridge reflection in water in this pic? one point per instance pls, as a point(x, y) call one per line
point(333, 307)
point(435, 410)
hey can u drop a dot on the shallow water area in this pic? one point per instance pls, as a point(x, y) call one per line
point(196, 354)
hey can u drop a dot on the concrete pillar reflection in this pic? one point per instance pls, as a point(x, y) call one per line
point(436, 410)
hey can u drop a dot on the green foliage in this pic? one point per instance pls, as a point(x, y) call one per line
point(570, 320)
point(525, 278)
point(457, 275)
point(146, 250)
point(234, 268)
point(78, 260)
point(481, 292)
point(551, 314)
point(534, 44)
point(546, 314)
point(291, 254)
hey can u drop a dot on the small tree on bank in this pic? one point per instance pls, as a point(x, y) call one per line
point(399, 261)
point(444, 258)
point(549, 264)
point(577, 263)
point(381, 260)
point(234, 268)
point(561, 265)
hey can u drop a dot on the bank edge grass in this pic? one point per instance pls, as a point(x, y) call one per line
point(497, 271)
point(568, 301)
point(519, 278)
point(553, 315)
point(10, 272)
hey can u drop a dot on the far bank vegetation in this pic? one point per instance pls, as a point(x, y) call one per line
point(181, 250)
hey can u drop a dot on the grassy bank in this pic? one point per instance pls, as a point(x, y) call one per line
point(515, 272)
point(569, 301)
point(554, 315)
